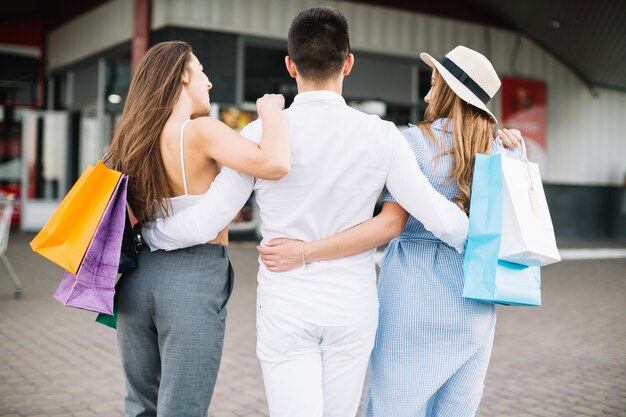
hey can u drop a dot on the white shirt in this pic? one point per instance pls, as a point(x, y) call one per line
point(341, 160)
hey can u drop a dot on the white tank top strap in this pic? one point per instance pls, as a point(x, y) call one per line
point(182, 155)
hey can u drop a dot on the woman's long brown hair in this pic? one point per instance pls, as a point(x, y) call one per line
point(472, 130)
point(135, 149)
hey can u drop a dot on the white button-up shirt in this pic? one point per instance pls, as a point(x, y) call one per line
point(341, 160)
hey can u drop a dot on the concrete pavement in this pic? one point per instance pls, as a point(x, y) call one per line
point(567, 358)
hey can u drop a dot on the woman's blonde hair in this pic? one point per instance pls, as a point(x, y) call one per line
point(135, 148)
point(472, 130)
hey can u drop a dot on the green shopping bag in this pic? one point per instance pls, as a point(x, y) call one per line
point(110, 320)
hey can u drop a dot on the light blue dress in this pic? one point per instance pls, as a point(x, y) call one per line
point(433, 346)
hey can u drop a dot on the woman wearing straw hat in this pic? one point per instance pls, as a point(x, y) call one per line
point(433, 346)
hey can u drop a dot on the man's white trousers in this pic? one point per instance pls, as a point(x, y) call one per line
point(311, 370)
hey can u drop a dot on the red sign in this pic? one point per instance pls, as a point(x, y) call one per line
point(524, 108)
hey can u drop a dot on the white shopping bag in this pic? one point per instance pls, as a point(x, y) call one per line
point(527, 232)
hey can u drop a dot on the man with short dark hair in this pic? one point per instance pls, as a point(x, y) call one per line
point(318, 43)
point(316, 325)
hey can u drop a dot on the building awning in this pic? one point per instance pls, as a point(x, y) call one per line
point(587, 36)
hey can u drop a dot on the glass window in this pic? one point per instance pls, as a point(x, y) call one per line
point(381, 78)
point(265, 72)
point(117, 83)
point(385, 80)
point(400, 114)
point(46, 155)
point(18, 79)
point(84, 88)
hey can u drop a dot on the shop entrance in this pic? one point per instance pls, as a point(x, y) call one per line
point(45, 176)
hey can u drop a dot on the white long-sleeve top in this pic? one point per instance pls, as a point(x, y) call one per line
point(341, 160)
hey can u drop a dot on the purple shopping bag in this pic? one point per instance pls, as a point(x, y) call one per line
point(93, 286)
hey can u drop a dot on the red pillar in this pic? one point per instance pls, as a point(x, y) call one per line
point(141, 31)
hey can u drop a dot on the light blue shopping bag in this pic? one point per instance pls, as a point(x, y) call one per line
point(511, 285)
point(486, 278)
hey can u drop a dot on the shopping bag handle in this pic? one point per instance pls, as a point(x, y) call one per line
point(532, 186)
point(105, 158)
point(522, 148)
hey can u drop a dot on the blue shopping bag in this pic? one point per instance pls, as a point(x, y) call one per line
point(511, 285)
point(486, 278)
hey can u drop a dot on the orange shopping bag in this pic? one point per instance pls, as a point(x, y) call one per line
point(67, 234)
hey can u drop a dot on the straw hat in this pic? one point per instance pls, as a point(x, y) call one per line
point(469, 74)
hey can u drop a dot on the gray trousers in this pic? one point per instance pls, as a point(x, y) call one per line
point(170, 329)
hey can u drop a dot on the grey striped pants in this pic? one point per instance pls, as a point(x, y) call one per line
point(170, 330)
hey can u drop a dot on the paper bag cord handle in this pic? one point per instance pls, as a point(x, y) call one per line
point(501, 149)
point(106, 157)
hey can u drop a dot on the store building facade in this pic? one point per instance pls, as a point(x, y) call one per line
point(242, 43)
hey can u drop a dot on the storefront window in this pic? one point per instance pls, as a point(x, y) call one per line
point(118, 76)
point(265, 72)
point(46, 137)
point(93, 94)
point(399, 114)
point(18, 79)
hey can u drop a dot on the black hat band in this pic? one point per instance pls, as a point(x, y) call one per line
point(465, 79)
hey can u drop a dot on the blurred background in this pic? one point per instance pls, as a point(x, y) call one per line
point(65, 70)
point(66, 66)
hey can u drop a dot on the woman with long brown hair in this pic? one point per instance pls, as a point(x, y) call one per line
point(171, 309)
point(432, 346)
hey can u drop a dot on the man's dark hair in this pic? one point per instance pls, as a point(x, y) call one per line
point(318, 42)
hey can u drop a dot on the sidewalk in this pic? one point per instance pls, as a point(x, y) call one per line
point(565, 359)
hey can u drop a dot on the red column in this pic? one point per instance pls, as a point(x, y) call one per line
point(141, 31)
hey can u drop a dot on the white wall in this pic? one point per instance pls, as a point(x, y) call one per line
point(584, 139)
point(107, 25)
